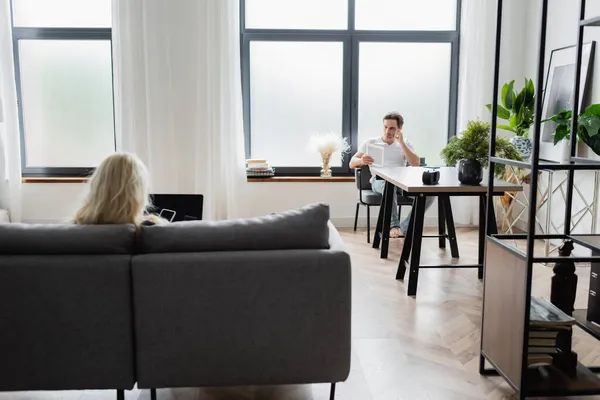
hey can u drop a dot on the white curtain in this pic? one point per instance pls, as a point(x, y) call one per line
point(10, 152)
point(178, 97)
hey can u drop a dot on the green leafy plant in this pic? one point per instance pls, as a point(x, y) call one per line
point(473, 144)
point(588, 126)
point(518, 108)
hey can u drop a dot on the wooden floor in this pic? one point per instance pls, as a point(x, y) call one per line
point(403, 348)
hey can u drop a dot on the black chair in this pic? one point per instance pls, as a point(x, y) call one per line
point(368, 198)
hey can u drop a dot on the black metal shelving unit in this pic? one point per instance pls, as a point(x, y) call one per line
point(509, 270)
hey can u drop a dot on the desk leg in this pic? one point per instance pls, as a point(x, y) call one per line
point(441, 224)
point(415, 258)
point(450, 223)
point(405, 256)
point(388, 203)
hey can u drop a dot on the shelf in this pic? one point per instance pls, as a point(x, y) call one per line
point(582, 322)
point(549, 381)
point(577, 164)
point(590, 22)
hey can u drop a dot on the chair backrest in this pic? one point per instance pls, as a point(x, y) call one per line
point(362, 177)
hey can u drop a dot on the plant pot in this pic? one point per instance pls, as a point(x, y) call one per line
point(470, 172)
point(523, 146)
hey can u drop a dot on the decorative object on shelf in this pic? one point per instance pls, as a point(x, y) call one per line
point(473, 147)
point(588, 127)
point(326, 145)
point(518, 110)
point(564, 281)
point(558, 96)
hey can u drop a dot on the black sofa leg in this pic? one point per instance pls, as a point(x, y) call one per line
point(120, 394)
point(152, 394)
point(332, 392)
point(356, 216)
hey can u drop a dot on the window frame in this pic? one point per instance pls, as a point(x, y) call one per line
point(351, 39)
point(45, 33)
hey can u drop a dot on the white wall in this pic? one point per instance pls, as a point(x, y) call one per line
point(56, 202)
point(562, 31)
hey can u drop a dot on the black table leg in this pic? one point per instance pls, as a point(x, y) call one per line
point(441, 224)
point(405, 256)
point(481, 249)
point(388, 203)
point(450, 224)
point(413, 277)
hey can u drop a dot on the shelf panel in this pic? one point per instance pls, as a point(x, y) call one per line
point(590, 22)
point(549, 381)
point(576, 164)
point(582, 322)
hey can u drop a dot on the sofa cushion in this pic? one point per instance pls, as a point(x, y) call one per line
point(303, 228)
point(34, 239)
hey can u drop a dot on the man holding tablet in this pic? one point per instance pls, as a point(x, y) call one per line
point(389, 150)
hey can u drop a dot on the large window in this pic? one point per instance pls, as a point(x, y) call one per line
point(63, 66)
point(339, 66)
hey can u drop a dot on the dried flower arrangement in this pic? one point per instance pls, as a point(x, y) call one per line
point(326, 144)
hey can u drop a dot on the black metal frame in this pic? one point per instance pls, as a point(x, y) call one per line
point(574, 164)
point(351, 39)
point(32, 33)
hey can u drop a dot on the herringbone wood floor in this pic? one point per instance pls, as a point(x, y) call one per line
point(423, 348)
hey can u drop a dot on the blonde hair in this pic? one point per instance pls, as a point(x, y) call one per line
point(119, 192)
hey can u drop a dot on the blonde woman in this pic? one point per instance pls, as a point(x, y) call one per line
point(119, 193)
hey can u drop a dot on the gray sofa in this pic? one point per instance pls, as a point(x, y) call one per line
point(262, 301)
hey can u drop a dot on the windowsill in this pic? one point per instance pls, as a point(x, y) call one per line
point(45, 179)
point(303, 179)
point(49, 179)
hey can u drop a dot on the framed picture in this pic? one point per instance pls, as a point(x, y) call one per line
point(559, 95)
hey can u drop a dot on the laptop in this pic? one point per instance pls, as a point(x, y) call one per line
point(177, 207)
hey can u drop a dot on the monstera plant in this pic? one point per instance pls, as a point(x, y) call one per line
point(588, 126)
point(518, 109)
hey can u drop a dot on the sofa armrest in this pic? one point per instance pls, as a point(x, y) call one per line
point(242, 318)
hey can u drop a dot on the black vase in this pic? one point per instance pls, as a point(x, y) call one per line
point(470, 172)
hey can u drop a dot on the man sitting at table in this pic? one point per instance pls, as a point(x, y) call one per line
point(396, 152)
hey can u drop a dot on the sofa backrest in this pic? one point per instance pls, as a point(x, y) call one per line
point(47, 239)
point(302, 228)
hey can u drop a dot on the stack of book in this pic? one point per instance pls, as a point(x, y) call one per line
point(256, 168)
point(550, 332)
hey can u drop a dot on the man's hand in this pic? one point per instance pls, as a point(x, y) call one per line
point(400, 136)
point(367, 160)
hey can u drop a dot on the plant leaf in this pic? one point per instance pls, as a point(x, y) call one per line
point(503, 112)
point(562, 132)
point(519, 101)
point(508, 95)
point(512, 122)
point(592, 110)
point(529, 93)
point(506, 128)
point(590, 123)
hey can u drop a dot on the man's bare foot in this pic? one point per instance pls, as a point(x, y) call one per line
point(395, 232)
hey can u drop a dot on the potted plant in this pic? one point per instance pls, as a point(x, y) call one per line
point(588, 126)
point(470, 152)
point(518, 109)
